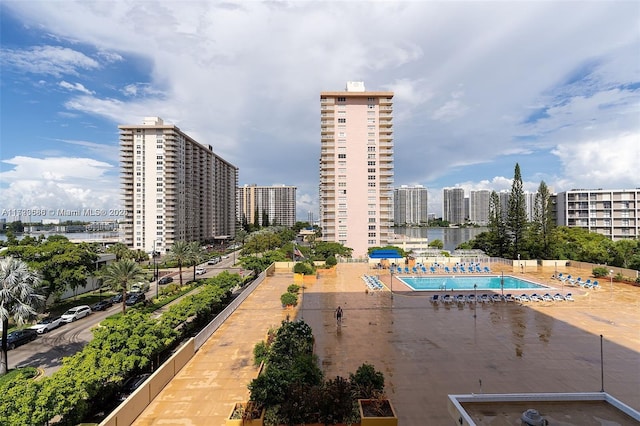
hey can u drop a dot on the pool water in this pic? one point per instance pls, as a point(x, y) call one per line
point(467, 283)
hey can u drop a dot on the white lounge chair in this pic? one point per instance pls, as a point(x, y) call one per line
point(558, 297)
point(535, 298)
point(547, 298)
point(569, 297)
point(496, 298)
point(435, 298)
point(525, 298)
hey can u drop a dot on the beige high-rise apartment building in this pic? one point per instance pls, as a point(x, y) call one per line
point(275, 204)
point(356, 167)
point(175, 188)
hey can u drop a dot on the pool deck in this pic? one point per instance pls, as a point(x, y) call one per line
point(425, 351)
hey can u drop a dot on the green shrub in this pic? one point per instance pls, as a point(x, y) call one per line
point(331, 261)
point(293, 288)
point(260, 352)
point(600, 271)
point(289, 299)
point(305, 268)
point(366, 381)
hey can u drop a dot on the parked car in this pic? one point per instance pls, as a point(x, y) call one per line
point(131, 384)
point(200, 271)
point(47, 324)
point(118, 298)
point(214, 260)
point(76, 313)
point(102, 305)
point(165, 280)
point(135, 298)
point(20, 337)
point(140, 287)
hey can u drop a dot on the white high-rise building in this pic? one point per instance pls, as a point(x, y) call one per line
point(479, 206)
point(453, 202)
point(174, 188)
point(611, 212)
point(356, 167)
point(275, 204)
point(410, 205)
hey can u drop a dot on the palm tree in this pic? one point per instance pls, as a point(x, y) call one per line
point(197, 255)
point(18, 299)
point(180, 253)
point(119, 274)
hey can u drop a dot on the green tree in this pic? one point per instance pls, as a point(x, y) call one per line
point(436, 244)
point(120, 250)
point(624, 251)
point(517, 214)
point(543, 226)
point(181, 254)
point(197, 255)
point(18, 299)
point(120, 274)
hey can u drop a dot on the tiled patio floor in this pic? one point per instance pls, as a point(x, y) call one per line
point(426, 351)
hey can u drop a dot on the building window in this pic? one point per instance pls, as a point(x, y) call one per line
point(371, 149)
point(371, 184)
point(371, 212)
point(370, 100)
point(371, 134)
point(342, 134)
point(371, 106)
point(342, 184)
point(372, 242)
point(372, 234)
point(342, 99)
point(372, 227)
point(371, 177)
point(371, 156)
point(342, 120)
point(342, 155)
point(371, 170)
point(371, 141)
point(371, 163)
point(372, 220)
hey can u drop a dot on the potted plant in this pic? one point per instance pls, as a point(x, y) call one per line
point(289, 299)
point(377, 411)
point(246, 413)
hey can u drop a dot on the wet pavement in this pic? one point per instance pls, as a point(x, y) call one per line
point(425, 351)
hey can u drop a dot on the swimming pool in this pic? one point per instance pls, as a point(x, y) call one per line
point(466, 283)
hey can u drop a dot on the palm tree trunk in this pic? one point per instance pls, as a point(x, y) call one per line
point(124, 299)
point(180, 272)
point(4, 360)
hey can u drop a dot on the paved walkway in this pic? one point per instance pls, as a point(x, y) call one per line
point(426, 351)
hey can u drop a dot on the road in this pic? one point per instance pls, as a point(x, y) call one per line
point(47, 351)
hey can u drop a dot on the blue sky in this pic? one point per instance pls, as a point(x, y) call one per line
point(479, 86)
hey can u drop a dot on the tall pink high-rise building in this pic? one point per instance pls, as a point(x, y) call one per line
point(356, 167)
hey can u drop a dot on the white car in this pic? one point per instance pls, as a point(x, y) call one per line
point(200, 271)
point(47, 324)
point(76, 313)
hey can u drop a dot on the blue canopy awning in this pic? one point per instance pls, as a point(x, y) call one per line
point(385, 254)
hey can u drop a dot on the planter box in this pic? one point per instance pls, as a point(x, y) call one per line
point(242, 422)
point(328, 271)
point(387, 419)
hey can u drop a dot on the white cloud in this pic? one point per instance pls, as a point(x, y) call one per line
point(54, 183)
point(52, 60)
point(245, 77)
point(75, 87)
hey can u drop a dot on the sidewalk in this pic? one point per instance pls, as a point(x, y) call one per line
point(206, 389)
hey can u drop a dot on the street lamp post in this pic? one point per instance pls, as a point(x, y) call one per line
point(155, 268)
point(391, 281)
point(611, 280)
point(502, 284)
point(475, 299)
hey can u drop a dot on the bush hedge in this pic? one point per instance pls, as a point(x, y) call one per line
point(121, 347)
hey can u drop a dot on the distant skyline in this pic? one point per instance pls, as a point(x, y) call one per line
point(479, 86)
